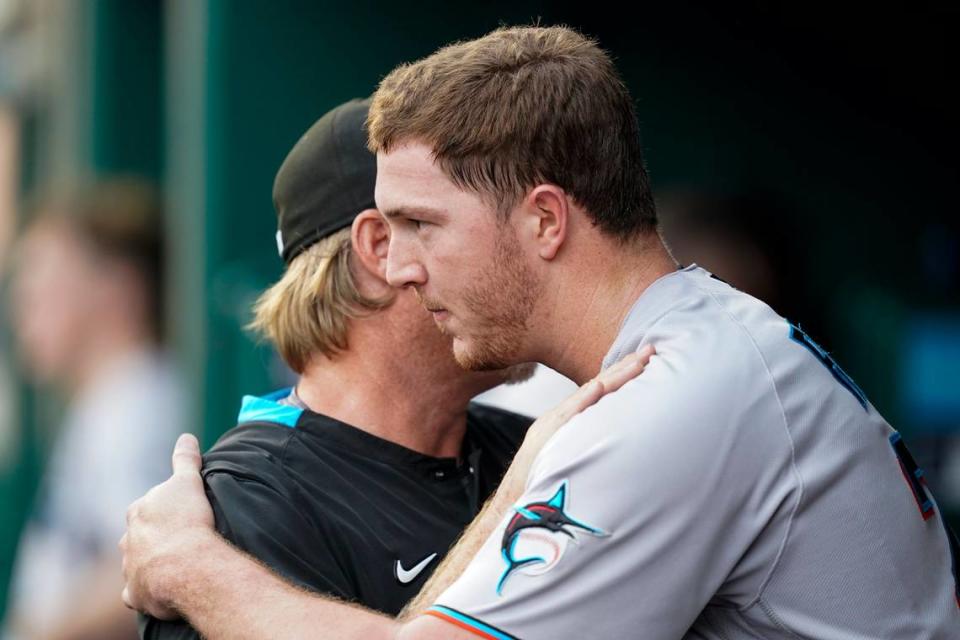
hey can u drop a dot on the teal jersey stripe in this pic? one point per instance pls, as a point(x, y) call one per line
point(463, 618)
point(265, 409)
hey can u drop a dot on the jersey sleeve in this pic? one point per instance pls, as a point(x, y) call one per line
point(270, 524)
point(263, 520)
point(634, 515)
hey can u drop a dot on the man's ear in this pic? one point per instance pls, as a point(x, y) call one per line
point(370, 236)
point(546, 211)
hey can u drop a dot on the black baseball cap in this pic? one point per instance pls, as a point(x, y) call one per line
point(326, 179)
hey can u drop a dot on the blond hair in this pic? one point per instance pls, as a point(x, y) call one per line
point(309, 310)
point(520, 106)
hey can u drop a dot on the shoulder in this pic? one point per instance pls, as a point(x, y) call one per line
point(707, 396)
point(711, 342)
point(254, 497)
point(258, 443)
point(277, 510)
point(249, 453)
point(245, 471)
point(250, 449)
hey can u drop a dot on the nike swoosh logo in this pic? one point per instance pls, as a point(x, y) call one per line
point(406, 576)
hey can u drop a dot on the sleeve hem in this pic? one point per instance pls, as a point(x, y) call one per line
point(468, 623)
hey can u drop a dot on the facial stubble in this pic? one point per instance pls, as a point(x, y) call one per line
point(500, 300)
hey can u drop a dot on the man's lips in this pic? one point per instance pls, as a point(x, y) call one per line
point(430, 305)
point(439, 313)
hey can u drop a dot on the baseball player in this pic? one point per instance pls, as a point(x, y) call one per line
point(743, 487)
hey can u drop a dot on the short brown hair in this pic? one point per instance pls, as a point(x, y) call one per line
point(519, 106)
point(310, 308)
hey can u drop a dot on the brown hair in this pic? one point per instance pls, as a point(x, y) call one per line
point(519, 106)
point(310, 308)
point(117, 218)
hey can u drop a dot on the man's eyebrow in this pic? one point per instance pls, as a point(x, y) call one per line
point(412, 212)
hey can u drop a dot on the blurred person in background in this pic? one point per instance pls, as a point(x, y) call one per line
point(86, 307)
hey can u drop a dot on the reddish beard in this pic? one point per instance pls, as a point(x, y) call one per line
point(500, 300)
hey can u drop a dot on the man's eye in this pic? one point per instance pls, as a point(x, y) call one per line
point(418, 224)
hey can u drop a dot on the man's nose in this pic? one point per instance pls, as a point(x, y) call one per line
point(404, 269)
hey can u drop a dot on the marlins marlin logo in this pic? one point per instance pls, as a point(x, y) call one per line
point(539, 521)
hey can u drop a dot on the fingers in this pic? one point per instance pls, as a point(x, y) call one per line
point(607, 381)
point(646, 353)
point(125, 596)
point(582, 398)
point(186, 455)
point(132, 511)
point(625, 370)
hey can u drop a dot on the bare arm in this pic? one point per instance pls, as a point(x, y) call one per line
point(263, 604)
point(174, 562)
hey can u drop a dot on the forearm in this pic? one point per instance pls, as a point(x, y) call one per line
point(227, 595)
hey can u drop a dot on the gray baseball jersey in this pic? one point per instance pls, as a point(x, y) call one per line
point(741, 487)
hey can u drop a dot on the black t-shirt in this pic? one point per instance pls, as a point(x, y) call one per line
point(339, 511)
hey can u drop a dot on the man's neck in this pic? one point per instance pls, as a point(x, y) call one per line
point(589, 307)
point(381, 386)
